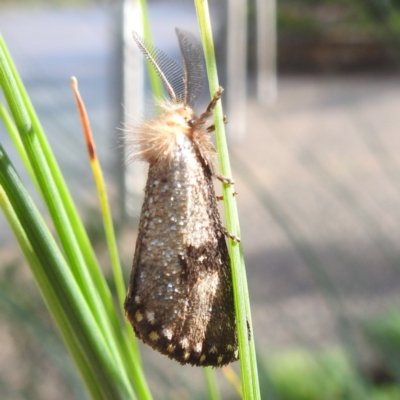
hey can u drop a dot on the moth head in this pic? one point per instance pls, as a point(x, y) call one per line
point(154, 140)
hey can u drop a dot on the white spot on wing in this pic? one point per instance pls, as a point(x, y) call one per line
point(184, 343)
point(167, 333)
point(198, 347)
point(150, 316)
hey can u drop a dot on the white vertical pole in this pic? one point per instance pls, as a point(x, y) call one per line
point(236, 91)
point(266, 51)
point(133, 94)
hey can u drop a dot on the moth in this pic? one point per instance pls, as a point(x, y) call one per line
point(180, 298)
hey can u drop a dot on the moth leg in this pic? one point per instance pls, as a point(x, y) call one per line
point(211, 128)
point(207, 114)
point(230, 236)
point(220, 198)
point(214, 100)
point(224, 179)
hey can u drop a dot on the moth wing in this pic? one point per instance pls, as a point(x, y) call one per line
point(209, 326)
point(180, 299)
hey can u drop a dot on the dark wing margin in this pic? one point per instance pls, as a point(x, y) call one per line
point(166, 67)
point(193, 69)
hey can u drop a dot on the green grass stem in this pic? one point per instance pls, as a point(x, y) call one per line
point(242, 304)
point(60, 290)
point(74, 287)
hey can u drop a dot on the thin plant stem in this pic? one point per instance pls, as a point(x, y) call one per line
point(242, 304)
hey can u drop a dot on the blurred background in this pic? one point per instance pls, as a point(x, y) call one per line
point(312, 99)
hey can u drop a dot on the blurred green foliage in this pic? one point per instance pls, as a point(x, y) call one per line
point(302, 375)
point(299, 374)
point(38, 362)
point(383, 333)
point(322, 16)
